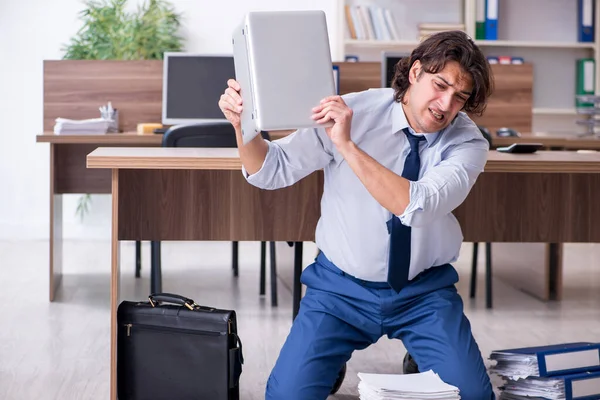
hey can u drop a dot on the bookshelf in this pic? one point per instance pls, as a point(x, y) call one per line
point(542, 32)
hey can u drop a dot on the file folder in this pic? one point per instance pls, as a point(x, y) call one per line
point(491, 20)
point(585, 80)
point(585, 18)
point(558, 359)
point(480, 19)
point(582, 386)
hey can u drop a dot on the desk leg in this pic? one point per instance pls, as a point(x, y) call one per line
point(297, 288)
point(55, 242)
point(114, 283)
point(535, 268)
point(554, 257)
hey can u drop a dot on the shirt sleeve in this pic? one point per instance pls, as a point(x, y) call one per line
point(291, 158)
point(445, 186)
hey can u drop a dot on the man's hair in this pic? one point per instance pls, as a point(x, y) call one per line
point(434, 52)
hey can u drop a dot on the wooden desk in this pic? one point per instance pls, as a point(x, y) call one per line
point(564, 142)
point(68, 174)
point(198, 194)
point(544, 197)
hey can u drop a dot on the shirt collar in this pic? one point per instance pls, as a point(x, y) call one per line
point(399, 122)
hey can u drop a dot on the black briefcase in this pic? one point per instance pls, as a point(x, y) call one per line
point(170, 348)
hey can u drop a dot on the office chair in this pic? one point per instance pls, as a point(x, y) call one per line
point(215, 134)
point(488, 252)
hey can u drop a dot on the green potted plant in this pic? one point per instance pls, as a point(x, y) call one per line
point(110, 32)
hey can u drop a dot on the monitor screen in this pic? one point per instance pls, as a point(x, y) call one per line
point(388, 62)
point(192, 86)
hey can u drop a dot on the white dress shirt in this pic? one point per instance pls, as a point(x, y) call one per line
point(352, 230)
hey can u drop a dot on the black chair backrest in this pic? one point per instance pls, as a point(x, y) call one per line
point(486, 134)
point(214, 134)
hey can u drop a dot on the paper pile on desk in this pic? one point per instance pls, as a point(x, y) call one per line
point(93, 126)
point(425, 385)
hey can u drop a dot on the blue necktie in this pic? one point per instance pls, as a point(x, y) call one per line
point(399, 259)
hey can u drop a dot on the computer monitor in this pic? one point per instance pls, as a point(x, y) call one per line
point(192, 86)
point(388, 62)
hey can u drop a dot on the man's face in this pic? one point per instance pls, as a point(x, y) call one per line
point(433, 100)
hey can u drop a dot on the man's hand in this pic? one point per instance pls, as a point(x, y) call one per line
point(334, 109)
point(254, 152)
point(230, 103)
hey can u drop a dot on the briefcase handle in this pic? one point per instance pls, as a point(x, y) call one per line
point(156, 298)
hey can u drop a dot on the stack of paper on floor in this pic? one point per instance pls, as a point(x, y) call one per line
point(425, 385)
point(65, 126)
point(560, 371)
point(585, 385)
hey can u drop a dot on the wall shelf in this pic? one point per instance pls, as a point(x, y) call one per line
point(381, 43)
point(483, 43)
point(554, 111)
point(541, 32)
point(516, 43)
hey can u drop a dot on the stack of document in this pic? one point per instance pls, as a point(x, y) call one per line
point(556, 372)
point(566, 387)
point(93, 126)
point(425, 385)
point(514, 366)
point(428, 29)
point(555, 359)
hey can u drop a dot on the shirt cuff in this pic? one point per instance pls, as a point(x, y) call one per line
point(258, 177)
point(415, 204)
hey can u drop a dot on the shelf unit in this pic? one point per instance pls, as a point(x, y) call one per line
point(554, 111)
point(481, 43)
point(553, 59)
point(537, 44)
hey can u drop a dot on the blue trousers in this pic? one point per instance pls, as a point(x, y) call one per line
point(340, 314)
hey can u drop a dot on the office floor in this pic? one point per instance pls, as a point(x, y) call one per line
point(60, 350)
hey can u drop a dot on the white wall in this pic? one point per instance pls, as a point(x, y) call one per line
point(35, 30)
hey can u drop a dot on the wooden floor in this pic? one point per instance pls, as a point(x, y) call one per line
point(60, 350)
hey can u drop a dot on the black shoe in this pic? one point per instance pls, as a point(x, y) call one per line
point(409, 365)
point(340, 379)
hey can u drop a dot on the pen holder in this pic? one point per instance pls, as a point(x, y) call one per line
point(113, 127)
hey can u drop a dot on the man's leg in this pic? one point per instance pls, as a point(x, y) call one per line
point(328, 328)
point(430, 322)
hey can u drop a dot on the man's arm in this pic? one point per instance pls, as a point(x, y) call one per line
point(253, 153)
point(389, 189)
point(273, 165)
point(290, 159)
point(437, 193)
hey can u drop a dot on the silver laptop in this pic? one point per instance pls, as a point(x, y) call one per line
point(283, 65)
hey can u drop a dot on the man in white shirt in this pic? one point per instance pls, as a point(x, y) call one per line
point(396, 162)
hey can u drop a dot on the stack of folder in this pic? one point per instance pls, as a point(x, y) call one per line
point(92, 126)
point(560, 371)
point(425, 385)
point(428, 29)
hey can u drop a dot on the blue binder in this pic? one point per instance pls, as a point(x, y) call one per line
point(585, 20)
point(491, 19)
point(584, 386)
point(564, 358)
